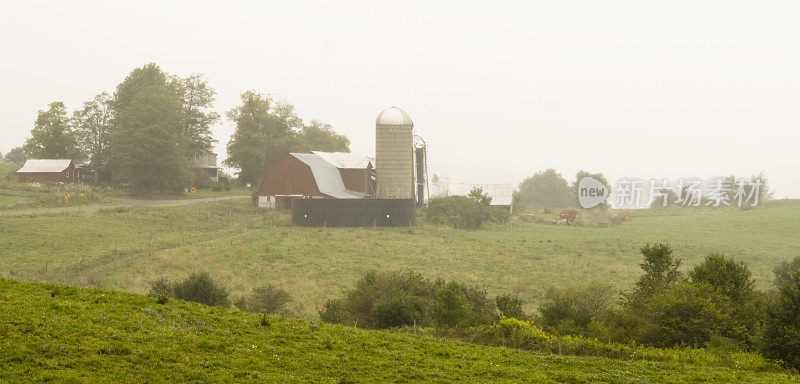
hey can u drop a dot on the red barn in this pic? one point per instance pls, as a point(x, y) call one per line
point(322, 175)
point(48, 170)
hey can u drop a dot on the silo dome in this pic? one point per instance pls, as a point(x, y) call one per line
point(393, 116)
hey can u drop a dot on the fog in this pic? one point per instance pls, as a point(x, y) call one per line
point(499, 91)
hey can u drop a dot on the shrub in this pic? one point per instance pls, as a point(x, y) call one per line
point(385, 299)
point(268, 299)
point(510, 306)
point(520, 334)
point(572, 310)
point(782, 329)
point(398, 308)
point(198, 287)
point(462, 305)
point(457, 212)
point(333, 312)
point(784, 271)
point(686, 314)
point(452, 307)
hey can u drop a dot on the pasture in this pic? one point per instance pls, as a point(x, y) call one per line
point(126, 248)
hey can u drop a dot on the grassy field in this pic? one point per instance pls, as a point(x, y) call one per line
point(125, 249)
point(65, 334)
point(17, 196)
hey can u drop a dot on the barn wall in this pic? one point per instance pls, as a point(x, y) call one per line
point(53, 177)
point(289, 176)
point(354, 179)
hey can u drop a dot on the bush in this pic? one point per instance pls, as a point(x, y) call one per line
point(458, 212)
point(572, 310)
point(782, 329)
point(459, 305)
point(686, 314)
point(397, 299)
point(199, 288)
point(382, 300)
point(510, 306)
point(516, 333)
point(268, 299)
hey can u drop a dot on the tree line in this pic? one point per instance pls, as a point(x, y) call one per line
point(713, 305)
point(549, 189)
point(144, 134)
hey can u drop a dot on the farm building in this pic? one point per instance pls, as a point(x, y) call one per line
point(501, 194)
point(205, 163)
point(48, 170)
point(318, 175)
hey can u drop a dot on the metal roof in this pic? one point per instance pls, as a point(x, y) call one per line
point(393, 116)
point(44, 165)
point(501, 194)
point(327, 176)
point(346, 160)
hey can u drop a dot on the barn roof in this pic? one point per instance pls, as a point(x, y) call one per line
point(44, 165)
point(327, 176)
point(345, 160)
point(501, 194)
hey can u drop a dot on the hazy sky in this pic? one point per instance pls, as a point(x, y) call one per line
point(499, 90)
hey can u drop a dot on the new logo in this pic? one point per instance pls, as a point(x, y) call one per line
point(591, 192)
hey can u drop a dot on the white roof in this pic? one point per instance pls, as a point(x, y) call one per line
point(393, 116)
point(501, 194)
point(44, 165)
point(345, 160)
point(327, 176)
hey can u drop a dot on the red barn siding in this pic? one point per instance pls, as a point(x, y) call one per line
point(289, 176)
point(66, 176)
point(354, 179)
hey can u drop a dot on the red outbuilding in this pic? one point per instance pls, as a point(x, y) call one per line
point(48, 170)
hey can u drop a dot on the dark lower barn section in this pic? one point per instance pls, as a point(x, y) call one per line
point(353, 212)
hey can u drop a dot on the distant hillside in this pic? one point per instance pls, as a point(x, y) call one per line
point(66, 334)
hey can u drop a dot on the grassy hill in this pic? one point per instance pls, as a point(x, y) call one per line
point(66, 334)
point(125, 249)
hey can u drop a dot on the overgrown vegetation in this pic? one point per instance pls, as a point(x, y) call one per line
point(198, 287)
point(464, 212)
point(66, 334)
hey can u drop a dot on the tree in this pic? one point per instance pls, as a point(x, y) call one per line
point(16, 155)
point(480, 196)
point(734, 280)
point(546, 189)
point(148, 145)
point(685, 314)
point(731, 278)
point(318, 136)
point(784, 272)
point(441, 185)
point(197, 101)
point(597, 176)
point(93, 126)
point(782, 329)
point(264, 134)
point(660, 270)
point(52, 137)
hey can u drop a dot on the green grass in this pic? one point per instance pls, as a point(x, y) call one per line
point(126, 250)
point(64, 334)
point(200, 193)
point(22, 196)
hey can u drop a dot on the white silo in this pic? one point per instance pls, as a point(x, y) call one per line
point(394, 154)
